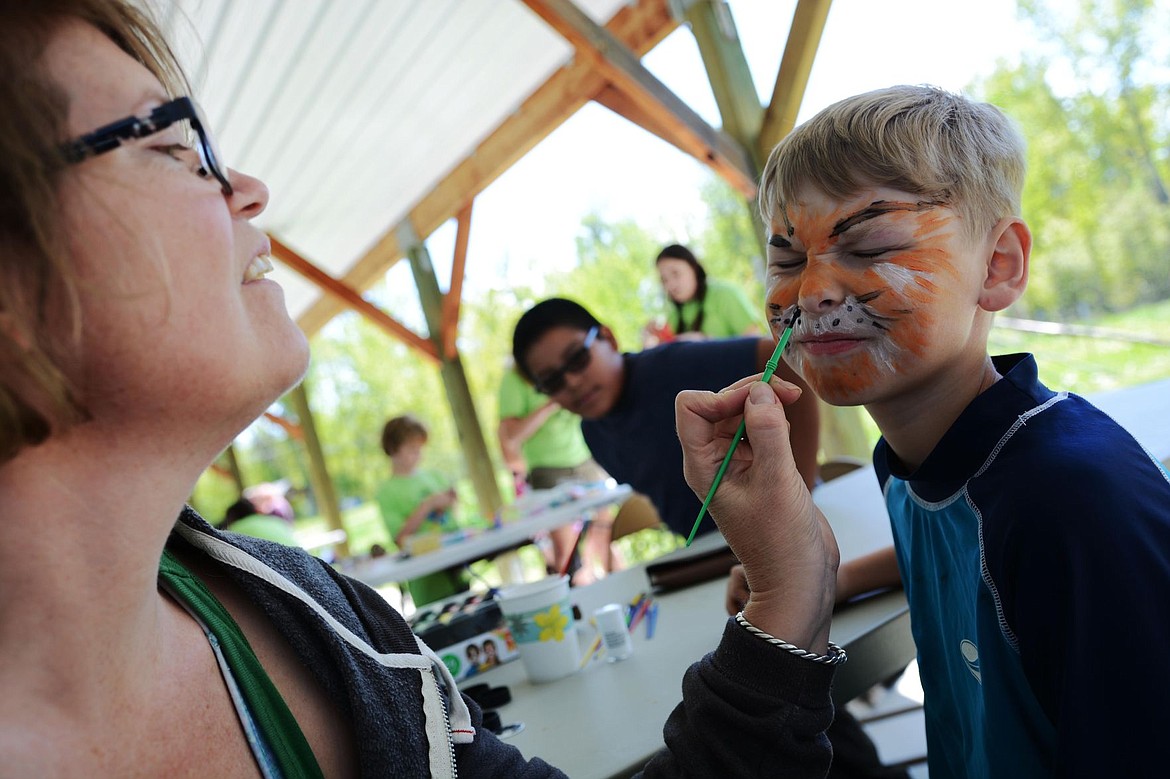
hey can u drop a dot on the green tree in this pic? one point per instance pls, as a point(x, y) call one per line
point(1096, 113)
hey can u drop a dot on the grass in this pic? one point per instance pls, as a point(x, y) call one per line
point(1086, 365)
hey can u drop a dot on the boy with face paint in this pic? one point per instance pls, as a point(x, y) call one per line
point(1030, 529)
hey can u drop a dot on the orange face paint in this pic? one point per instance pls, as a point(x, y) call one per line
point(866, 280)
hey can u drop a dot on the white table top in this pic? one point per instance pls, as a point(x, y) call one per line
point(615, 711)
point(394, 568)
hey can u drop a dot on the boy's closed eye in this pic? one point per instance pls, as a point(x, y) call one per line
point(782, 255)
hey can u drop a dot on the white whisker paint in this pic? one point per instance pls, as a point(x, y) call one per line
point(843, 320)
point(898, 277)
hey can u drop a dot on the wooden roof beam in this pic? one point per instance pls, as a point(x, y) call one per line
point(351, 298)
point(449, 327)
point(292, 428)
point(804, 37)
point(623, 69)
point(640, 26)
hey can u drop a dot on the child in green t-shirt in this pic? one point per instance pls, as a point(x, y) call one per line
point(700, 307)
point(415, 501)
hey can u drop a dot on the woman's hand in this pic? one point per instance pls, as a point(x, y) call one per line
point(762, 506)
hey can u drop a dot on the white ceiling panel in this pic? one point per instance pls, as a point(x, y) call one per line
point(352, 110)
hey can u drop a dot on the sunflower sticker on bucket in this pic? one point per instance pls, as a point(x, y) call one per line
point(552, 623)
point(540, 617)
point(541, 625)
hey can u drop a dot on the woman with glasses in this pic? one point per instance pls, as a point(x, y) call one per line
point(138, 336)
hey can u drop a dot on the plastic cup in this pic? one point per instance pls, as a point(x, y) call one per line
point(540, 617)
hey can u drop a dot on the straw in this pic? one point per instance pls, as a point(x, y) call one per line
point(632, 609)
point(592, 651)
point(573, 550)
point(641, 612)
point(651, 619)
point(769, 369)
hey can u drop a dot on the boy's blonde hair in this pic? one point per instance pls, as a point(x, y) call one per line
point(919, 139)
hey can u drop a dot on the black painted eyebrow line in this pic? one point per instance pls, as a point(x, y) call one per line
point(876, 209)
point(779, 241)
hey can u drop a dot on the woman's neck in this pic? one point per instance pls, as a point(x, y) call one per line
point(84, 525)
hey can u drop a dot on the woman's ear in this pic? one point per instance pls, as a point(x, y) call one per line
point(1007, 265)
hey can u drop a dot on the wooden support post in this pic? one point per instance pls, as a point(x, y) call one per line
point(233, 467)
point(735, 93)
point(319, 479)
point(727, 69)
point(450, 317)
point(475, 450)
point(808, 23)
point(842, 429)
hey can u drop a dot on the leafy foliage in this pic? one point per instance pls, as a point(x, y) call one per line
point(1092, 100)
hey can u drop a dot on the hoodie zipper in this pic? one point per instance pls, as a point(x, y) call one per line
point(447, 723)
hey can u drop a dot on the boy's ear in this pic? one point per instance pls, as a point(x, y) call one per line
point(1007, 265)
point(607, 335)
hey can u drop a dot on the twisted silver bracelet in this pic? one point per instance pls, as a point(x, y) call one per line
point(836, 654)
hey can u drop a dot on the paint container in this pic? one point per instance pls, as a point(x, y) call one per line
point(540, 617)
point(611, 621)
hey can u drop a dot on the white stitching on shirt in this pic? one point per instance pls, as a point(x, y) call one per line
point(1004, 628)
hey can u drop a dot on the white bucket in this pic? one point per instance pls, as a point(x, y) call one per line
point(540, 617)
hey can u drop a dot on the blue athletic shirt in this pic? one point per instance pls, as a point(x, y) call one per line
point(1034, 545)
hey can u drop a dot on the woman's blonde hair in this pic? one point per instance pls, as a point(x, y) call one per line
point(919, 139)
point(40, 320)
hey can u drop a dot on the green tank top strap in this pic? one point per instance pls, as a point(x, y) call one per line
point(279, 729)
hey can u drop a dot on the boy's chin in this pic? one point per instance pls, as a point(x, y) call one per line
point(836, 395)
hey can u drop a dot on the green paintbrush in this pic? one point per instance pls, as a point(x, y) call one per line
point(769, 369)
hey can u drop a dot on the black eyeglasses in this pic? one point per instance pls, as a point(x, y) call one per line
point(180, 109)
point(578, 361)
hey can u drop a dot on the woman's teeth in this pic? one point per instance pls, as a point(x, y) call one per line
point(258, 268)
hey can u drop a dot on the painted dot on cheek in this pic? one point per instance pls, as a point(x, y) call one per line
point(836, 322)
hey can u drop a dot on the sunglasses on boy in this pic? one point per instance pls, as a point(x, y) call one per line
point(181, 109)
point(577, 361)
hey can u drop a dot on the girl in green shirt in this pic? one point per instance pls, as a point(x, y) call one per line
point(701, 307)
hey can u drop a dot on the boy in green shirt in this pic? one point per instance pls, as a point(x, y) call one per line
point(414, 501)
